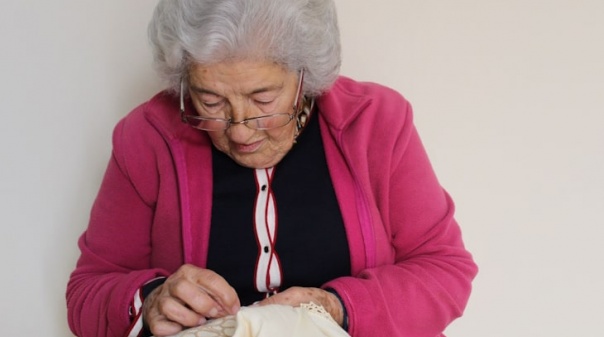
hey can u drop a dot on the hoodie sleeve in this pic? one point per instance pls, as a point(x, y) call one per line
point(424, 281)
point(115, 249)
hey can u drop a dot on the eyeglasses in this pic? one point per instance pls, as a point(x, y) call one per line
point(266, 122)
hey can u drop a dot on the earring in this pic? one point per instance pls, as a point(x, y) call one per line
point(303, 115)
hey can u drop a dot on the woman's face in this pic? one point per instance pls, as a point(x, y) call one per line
point(238, 90)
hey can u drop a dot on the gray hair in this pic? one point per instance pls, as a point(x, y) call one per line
point(294, 33)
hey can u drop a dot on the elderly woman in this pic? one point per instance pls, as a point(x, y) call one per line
point(260, 176)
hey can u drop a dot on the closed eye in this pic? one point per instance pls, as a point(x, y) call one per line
point(262, 102)
point(265, 100)
point(212, 105)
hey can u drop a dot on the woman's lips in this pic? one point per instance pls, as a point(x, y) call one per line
point(248, 148)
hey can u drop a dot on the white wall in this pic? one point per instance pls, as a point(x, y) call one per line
point(69, 69)
point(508, 98)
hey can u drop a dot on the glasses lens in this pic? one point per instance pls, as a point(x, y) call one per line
point(207, 124)
point(269, 122)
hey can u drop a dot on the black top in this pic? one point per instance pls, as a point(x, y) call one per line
point(310, 240)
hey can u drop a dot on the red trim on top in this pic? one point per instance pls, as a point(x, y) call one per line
point(269, 209)
point(136, 313)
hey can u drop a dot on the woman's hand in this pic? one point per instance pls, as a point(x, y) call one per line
point(187, 299)
point(294, 296)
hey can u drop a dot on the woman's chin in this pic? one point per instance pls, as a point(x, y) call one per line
point(256, 160)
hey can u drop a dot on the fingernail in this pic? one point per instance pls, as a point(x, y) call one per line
point(234, 309)
point(202, 321)
point(213, 312)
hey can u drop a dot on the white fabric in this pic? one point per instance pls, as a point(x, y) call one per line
point(308, 320)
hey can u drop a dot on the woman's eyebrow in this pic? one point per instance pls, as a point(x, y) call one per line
point(253, 92)
point(203, 91)
point(266, 89)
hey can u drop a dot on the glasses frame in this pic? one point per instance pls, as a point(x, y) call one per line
point(229, 122)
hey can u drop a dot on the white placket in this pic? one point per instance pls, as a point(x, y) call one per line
point(268, 272)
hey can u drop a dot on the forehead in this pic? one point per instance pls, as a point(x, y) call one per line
point(238, 76)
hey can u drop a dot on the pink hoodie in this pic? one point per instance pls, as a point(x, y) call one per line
point(411, 273)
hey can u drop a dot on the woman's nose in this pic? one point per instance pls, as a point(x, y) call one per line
point(238, 131)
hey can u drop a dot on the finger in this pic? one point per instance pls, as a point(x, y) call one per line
point(161, 327)
point(159, 324)
point(197, 299)
point(292, 296)
point(297, 295)
point(218, 289)
point(177, 312)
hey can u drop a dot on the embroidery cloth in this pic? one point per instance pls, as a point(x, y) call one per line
point(308, 320)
